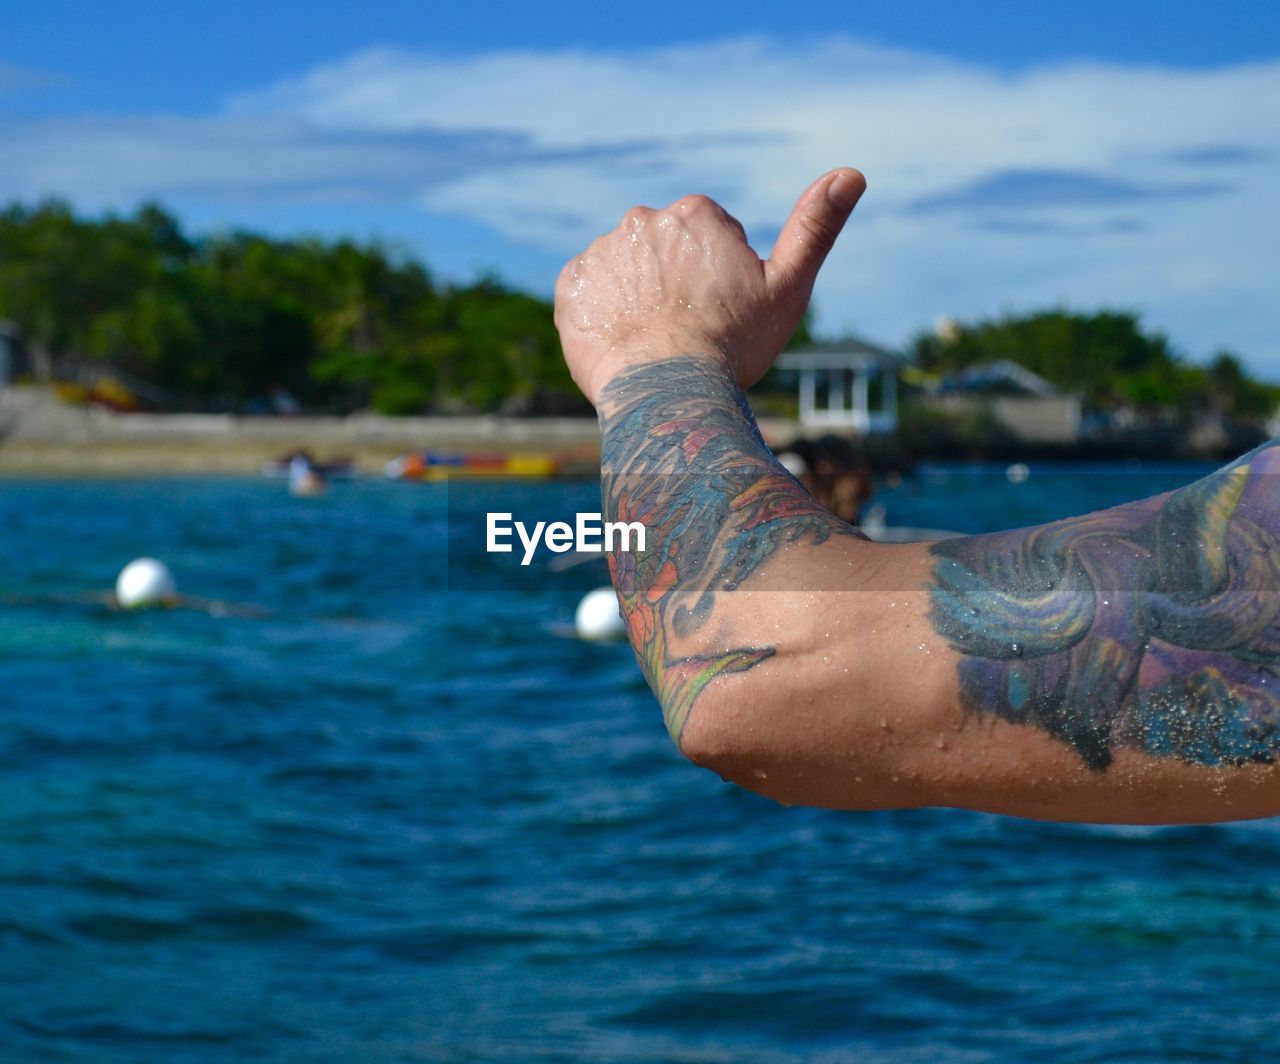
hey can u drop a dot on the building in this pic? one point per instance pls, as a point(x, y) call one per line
point(1027, 406)
point(846, 386)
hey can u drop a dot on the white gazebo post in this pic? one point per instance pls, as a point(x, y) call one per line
point(808, 390)
point(861, 415)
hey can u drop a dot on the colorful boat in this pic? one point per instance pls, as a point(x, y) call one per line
point(429, 465)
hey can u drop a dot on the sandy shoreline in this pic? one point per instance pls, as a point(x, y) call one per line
point(42, 437)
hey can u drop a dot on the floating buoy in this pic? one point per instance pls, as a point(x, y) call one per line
point(1018, 472)
point(145, 582)
point(597, 616)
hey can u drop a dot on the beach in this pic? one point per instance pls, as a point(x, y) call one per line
point(41, 436)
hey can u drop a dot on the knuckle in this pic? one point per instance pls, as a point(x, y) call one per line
point(819, 231)
point(571, 278)
point(696, 202)
point(636, 215)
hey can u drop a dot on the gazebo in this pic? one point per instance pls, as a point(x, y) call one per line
point(849, 385)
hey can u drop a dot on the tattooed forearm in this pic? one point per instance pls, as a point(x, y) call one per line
point(1153, 626)
point(681, 453)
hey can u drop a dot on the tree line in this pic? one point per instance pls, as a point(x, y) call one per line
point(224, 321)
point(1108, 357)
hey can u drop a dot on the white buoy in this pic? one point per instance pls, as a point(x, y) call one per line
point(145, 582)
point(1018, 473)
point(597, 616)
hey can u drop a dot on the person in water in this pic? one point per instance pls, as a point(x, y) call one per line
point(1121, 666)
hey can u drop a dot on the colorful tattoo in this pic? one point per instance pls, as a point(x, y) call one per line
point(1153, 625)
point(681, 454)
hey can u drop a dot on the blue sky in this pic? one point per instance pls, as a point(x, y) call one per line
point(1018, 155)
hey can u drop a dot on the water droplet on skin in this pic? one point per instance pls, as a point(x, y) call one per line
point(759, 774)
point(884, 724)
point(940, 742)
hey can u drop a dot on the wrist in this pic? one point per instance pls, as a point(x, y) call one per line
point(604, 367)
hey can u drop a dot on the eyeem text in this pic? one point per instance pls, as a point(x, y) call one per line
point(589, 533)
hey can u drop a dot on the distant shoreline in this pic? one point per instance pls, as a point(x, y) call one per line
point(39, 438)
point(42, 437)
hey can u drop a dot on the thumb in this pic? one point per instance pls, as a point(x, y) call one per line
point(811, 230)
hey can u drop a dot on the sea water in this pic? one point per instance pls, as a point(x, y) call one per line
point(380, 819)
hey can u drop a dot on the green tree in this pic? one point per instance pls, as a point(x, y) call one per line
point(1107, 356)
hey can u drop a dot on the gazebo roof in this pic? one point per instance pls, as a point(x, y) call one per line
point(1004, 373)
point(851, 353)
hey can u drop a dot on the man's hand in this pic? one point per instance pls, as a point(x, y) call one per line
point(685, 279)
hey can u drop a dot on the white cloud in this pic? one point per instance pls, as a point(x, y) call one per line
point(1193, 242)
point(1084, 184)
point(105, 162)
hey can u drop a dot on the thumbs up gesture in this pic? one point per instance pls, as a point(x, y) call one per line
point(684, 279)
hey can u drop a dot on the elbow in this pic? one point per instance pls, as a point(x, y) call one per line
point(709, 737)
point(800, 745)
point(721, 732)
point(736, 730)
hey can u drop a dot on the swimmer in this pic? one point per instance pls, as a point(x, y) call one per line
point(1122, 666)
point(304, 478)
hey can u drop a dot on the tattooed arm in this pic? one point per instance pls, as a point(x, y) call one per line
point(1114, 667)
point(681, 455)
point(1144, 639)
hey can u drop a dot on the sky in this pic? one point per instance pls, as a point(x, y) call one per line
point(1018, 156)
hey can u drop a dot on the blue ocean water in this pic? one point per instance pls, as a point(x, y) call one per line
point(389, 821)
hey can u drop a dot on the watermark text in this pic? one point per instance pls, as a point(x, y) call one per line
point(589, 534)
